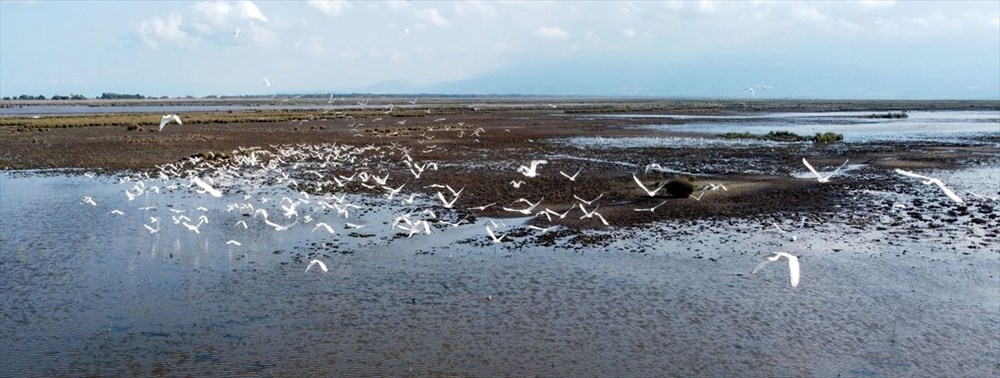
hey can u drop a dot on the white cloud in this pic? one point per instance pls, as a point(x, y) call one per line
point(329, 7)
point(876, 4)
point(215, 12)
point(433, 16)
point(246, 9)
point(551, 32)
point(155, 31)
point(629, 33)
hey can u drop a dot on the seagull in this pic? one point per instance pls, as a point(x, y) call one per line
point(712, 186)
point(243, 223)
point(445, 202)
point(592, 213)
point(793, 265)
point(193, 227)
point(117, 212)
point(562, 215)
point(208, 188)
point(167, 118)
point(819, 177)
point(749, 89)
point(267, 82)
point(89, 201)
point(517, 184)
point(354, 226)
point(698, 198)
point(233, 242)
point(151, 229)
point(496, 239)
point(532, 169)
point(588, 202)
point(324, 226)
point(651, 209)
point(650, 193)
point(573, 177)
point(931, 180)
point(481, 208)
point(236, 33)
point(278, 227)
point(790, 236)
point(526, 211)
point(314, 262)
point(543, 229)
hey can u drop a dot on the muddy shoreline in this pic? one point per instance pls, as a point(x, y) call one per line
point(479, 145)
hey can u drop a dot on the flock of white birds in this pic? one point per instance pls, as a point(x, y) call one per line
point(315, 166)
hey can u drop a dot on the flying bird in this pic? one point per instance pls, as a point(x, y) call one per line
point(651, 193)
point(532, 169)
point(931, 180)
point(573, 177)
point(169, 117)
point(316, 262)
point(820, 177)
point(793, 265)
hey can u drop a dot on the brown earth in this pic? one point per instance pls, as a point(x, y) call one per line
point(518, 132)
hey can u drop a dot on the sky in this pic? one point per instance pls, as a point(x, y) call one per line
point(714, 49)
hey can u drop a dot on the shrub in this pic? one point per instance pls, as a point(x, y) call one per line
point(679, 188)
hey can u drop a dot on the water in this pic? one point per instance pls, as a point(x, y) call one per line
point(87, 292)
point(855, 126)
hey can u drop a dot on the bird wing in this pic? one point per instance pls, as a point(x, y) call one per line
point(640, 183)
point(811, 169)
point(760, 265)
point(178, 119)
point(911, 174)
point(793, 269)
point(948, 192)
point(164, 121)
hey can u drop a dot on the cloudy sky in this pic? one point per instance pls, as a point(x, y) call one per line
point(841, 49)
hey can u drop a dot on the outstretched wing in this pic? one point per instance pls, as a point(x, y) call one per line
point(793, 269)
point(911, 174)
point(948, 192)
point(811, 169)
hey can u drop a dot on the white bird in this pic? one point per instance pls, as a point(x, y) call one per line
point(236, 33)
point(712, 186)
point(651, 209)
point(354, 226)
point(931, 180)
point(167, 118)
point(324, 226)
point(392, 192)
point(89, 201)
point(193, 227)
point(207, 188)
point(233, 242)
point(446, 203)
point(267, 82)
point(532, 169)
point(243, 223)
point(493, 236)
point(698, 198)
point(151, 229)
point(644, 188)
point(517, 184)
point(117, 212)
point(592, 213)
point(563, 214)
point(543, 229)
point(278, 227)
point(749, 89)
point(484, 207)
point(819, 177)
point(793, 265)
point(573, 177)
point(790, 236)
point(588, 202)
point(315, 262)
point(525, 211)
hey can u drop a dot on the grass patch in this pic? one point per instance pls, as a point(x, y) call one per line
point(786, 136)
point(890, 115)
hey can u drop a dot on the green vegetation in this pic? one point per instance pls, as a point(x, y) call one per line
point(119, 96)
point(785, 136)
point(890, 115)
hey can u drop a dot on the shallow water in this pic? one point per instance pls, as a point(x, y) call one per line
point(88, 292)
point(855, 126)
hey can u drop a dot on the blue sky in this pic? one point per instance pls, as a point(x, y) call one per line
point(842, 49)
